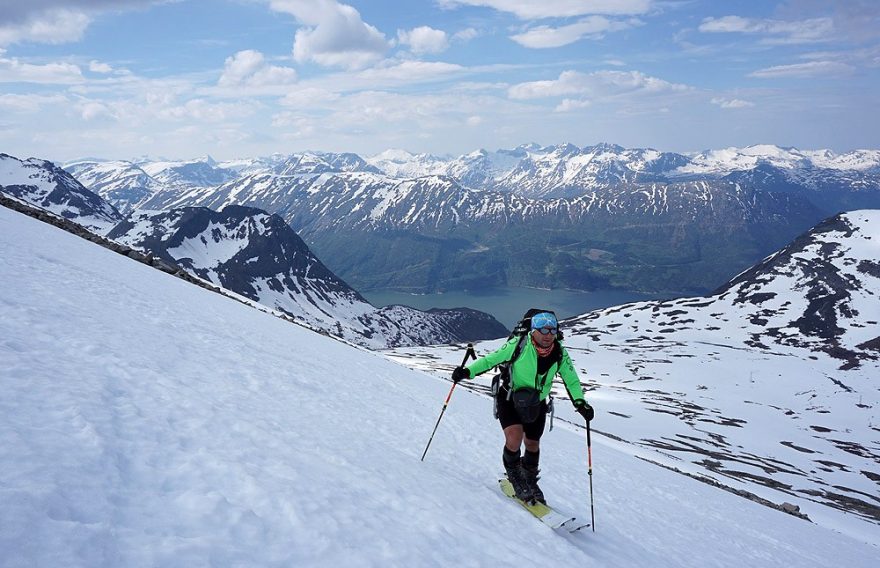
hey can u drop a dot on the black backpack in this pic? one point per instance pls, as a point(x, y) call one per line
point(521, 330)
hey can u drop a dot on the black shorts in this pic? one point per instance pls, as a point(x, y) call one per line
point(508, 416)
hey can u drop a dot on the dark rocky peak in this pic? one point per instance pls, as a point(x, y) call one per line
point(45, 185)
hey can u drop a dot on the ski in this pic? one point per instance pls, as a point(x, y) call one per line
point(544, 513)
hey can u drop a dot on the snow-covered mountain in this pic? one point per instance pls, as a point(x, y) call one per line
point(476, 170)
point(568, 171)
point(728, 160)
point(49, 187)
point(768, 386)
point(259, 256)
point(173, 426)
point(310, 163)
point(201, 172)
point(123, 184)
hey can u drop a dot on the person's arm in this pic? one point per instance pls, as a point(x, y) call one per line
point(486, 362)
point(570, 378)
point(574, 388)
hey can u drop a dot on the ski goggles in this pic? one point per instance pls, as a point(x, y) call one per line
point(545, 322)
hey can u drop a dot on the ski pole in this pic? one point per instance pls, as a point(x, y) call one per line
point(469, 353)
point(590, 473)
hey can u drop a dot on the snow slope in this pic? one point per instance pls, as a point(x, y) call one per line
point(148, 422)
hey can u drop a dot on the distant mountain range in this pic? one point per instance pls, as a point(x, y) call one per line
point(559, 216)
point(246, 251)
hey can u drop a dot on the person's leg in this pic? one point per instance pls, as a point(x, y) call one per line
point(513, 437)
point(532, 434)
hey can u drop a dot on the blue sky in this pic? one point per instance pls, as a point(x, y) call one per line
point(236, 78)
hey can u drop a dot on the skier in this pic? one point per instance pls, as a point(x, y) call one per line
point(521, 400)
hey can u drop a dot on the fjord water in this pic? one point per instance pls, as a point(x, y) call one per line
point(508, 304)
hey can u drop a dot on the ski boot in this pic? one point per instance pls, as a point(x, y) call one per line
point(516, 477)
point(531, 478)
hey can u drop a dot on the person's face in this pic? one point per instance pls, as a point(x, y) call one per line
point(543, 340)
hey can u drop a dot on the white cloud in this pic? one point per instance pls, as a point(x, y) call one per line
point(335, 35)
point(593, 27)
point(14, 71)
point(777, 31)
point(91, 110)
point(731, 103)
point(465, 35)
point(596, 84)
point(568, 105)
point(29, 102)
point(55, 21)
point(248, 68)
point(408, 72)
point(295, 125)
point(810, 69)
point(98, 67)
point(532, 10)
point(206, 111)
point(424, 39)
point(53, 26)
point(474, 120)
point(308, 97)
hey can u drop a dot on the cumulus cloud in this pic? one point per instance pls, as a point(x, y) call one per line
point(333, 35)
point(596, 84)
point(809, 69)
point(775, 31)
point(593, 27)
point(531, 10)
point(248, 68)
point(731, 103)
point(424, 39)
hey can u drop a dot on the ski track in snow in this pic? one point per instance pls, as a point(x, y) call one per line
point(147, 422)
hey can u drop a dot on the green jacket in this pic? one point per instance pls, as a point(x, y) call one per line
point(524, 371)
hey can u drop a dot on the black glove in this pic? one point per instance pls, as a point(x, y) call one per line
point(584, 409)
point(460, 373)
